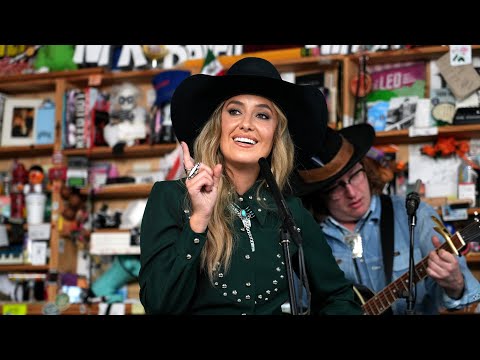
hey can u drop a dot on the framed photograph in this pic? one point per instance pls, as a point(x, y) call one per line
point(19, 119)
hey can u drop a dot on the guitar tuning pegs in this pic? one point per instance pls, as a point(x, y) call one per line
point(475, 216)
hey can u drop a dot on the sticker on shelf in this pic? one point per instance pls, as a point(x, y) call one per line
point(50, 309)
point(14, 309)
point(95, 80)
point(111, 309)
point(137, 309)
point(460, 55)
point(62, 301)
point(427, 131)
point(40, 231)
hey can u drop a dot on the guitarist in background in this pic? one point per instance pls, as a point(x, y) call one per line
point(371, 243)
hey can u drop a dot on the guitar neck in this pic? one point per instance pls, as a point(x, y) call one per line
point(397, 289)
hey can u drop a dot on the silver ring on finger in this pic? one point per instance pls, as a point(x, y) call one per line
point(194, 171)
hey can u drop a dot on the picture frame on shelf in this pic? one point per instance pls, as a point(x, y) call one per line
point(19, 120)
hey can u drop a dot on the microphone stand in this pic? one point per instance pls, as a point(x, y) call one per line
point(412, 202)
point(292, 293)
point(289, 231)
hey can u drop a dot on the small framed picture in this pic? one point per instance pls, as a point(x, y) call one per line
point(19, 118)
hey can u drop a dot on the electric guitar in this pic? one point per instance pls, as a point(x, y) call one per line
point(382, 301)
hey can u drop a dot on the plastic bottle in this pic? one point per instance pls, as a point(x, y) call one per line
point(467, 180)
point(167, 130)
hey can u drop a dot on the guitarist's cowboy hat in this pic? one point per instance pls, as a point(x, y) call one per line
point(334, 156)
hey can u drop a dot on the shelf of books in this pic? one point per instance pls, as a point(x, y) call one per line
point(411, 91)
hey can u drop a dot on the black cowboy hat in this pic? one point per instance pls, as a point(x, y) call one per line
point(197, 96)
point(336, 155)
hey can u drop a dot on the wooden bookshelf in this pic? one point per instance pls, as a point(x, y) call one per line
point(401, 136)
point(473, 257)
point(23, 268)
point(283, 59)
point(111, 78)
point(36, 308)
point(473, 211)
point(121, 191)
point(470, 211)
point(423, 54)
point(105, 152)
point(403, 55)
point(468, 310)
point(12, 152)
point(30, 83)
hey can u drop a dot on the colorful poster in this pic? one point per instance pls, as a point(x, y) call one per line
point(395, 80)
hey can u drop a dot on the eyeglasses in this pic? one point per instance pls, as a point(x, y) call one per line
point(355, 180)
point(126, 99)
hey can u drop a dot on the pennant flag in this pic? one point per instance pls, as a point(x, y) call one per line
point(175, 164)
point(212, 66)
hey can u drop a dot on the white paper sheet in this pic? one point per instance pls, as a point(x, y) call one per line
point(439, 175)
point(116, 309)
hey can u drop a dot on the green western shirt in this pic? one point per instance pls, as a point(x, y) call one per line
point(171, 281)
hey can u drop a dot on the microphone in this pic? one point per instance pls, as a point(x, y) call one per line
point(286, 216)
point(411, 203)
point(413, 199)
point(272, 184)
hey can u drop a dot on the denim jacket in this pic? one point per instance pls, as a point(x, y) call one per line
point(430, 297)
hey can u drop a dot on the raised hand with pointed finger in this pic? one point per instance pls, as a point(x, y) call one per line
point(202, 185)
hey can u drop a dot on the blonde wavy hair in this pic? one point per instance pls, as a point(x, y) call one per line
point(220, 241)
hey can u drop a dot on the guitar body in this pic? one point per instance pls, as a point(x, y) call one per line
point(363, 294)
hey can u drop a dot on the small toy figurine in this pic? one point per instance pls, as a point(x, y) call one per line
point(17, 59)
point(35, 180)
point(17, 197)
point(75, 216)
point(128, 120)
point(155, 53)
point(164, 83)
point(55, 58)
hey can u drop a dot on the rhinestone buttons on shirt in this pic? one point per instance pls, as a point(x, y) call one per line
point(248, 292)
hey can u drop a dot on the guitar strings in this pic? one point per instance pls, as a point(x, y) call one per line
point(471, 231)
